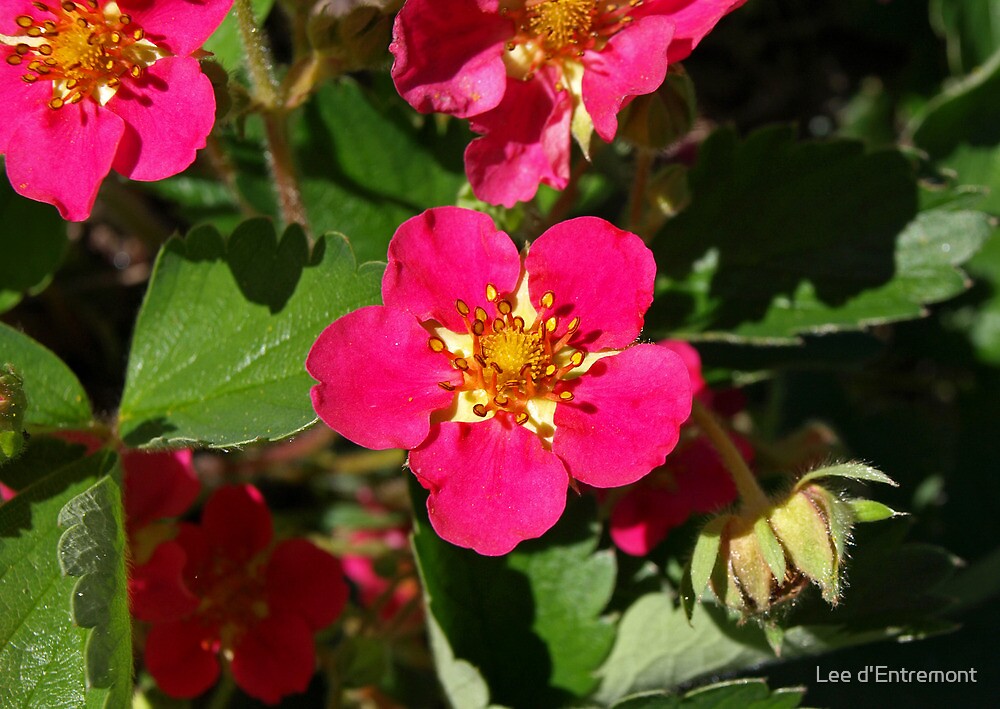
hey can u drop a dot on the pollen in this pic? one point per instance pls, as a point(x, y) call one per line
point(559, 23)
point(82, 48)
point(511, 362)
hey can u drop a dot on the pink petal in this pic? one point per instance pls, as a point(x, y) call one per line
point(525, 142)
point(18, 99)
point(158, 485)
point(307, 581)
point(378, 378)
point(643, 517)
point(445, 254)
point(692, 360)
point(237, 522)
point(198, 554)
point(168, 113)
point(449, 56)
point(274, 658)
point(181, 656)
point(633, 63)
point(157, 591)
point(492, 484)
point(61, 156)
point(625, 416)
point(703, 483)
point(595, 271)
point(181, 26)
point(692, 20)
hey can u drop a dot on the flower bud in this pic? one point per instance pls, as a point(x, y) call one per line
point(754, 560)
point(13, 405)
point(656, 120)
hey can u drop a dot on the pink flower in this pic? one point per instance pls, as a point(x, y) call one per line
point(91, 85)
point(508, 377)
point(527, 73)
point(693, 480)
point(256, 604)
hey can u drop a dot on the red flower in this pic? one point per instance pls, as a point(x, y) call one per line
point(257, 605)
point(507, 377)
point(527, 73)
point(87, 86)
point(693, 480)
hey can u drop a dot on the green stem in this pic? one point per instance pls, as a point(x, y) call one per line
point(268, 95)
point(752, 497)
point(282, 165)
point(224, 692)
point(643, 167)
point(259, 62)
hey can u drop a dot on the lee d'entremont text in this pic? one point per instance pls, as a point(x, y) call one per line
point(883, 674)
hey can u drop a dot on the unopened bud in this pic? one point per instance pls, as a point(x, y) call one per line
point(656, 120)
point(352, 34)
point(755, 560)
point(13, 405)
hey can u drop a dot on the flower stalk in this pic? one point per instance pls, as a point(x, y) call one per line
point(752, 498)
point(274, 113)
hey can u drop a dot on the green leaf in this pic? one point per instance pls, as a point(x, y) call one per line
point(367, 163)
point(219, 345)
point(825, 240)
point(960, 132)
point(225, 42)
point(656, 648)
point(55, 397)
point(42, 455)
point(529, 623)
point(31, 247)
point(92, 549)
point(462, 683)
point(971, 29)
point(735, 694)
point(853, 471)
point(65, 634)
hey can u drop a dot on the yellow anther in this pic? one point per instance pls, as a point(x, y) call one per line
point(521, 418)
point(550, 370)
point(461, 363)
point(447, 386)
point(436, 344)
point(574, 325)
point(491, 292)
point(481, 314)
point(547, 299)
point(566, 395)
point(550, 325)
point(461, 307)
point(504, 307)
point(478, 328)
point(24, 21)
point(577, 359)
point(480, 410)
point(498, 325)
point(14, 59)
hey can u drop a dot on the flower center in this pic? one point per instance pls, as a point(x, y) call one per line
point(558, 23)
point(511, 363)
point(83, 49)
point(557, 31)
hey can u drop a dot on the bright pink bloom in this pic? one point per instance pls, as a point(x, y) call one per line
point(693, 480)
point(528, 72)
point(507, 377)
point(258, 604)
point(85, 88)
